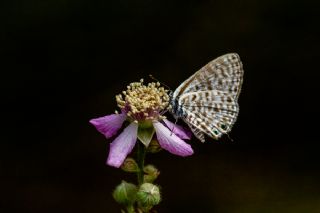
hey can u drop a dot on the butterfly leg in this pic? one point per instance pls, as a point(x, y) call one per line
point(174, 126)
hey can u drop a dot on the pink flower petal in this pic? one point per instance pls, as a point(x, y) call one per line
point(170, 142)
point(122, 145)
point(109, 125)
point(178, 130)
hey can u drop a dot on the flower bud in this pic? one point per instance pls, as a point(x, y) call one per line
point(130, 165)
point(148, 195)
point(125, 193)
point(151, 173)
point(154, 146)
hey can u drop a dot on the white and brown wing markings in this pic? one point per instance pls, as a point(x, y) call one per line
point(196, 131)
point(215, 118)
point(210, 98)
point(212, 112)
point(224, 73)
point(199, 124)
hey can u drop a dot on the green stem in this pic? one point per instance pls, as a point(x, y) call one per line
point(140, 160)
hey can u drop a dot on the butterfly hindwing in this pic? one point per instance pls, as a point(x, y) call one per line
point(210, 112)
point(199, 125)
point(195, 130)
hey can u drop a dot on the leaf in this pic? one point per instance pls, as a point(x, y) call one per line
point(145, 132)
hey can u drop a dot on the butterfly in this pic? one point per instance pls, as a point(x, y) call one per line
point(208, 100)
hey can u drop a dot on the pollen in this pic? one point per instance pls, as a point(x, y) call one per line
point(144, 102)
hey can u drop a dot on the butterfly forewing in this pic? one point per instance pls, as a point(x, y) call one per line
point(207, 101)
point(223, 73)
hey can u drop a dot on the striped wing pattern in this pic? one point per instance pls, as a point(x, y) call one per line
point(208, 99)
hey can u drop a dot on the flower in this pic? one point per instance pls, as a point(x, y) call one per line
point(143, 106)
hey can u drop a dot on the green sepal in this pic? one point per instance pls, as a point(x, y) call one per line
point(145, 132)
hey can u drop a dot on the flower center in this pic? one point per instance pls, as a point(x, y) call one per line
point(143, 102)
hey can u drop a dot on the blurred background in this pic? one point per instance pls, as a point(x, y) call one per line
point(63, 62)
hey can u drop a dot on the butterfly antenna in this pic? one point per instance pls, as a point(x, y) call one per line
point(163, 112)
point(229, 137)
point(153, 78)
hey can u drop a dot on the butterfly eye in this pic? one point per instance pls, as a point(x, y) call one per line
point(215, 132)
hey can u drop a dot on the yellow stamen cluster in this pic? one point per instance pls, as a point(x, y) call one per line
point(143, 102)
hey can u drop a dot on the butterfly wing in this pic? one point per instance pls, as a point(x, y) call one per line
point(211, 112)
point(224, 73)
point(207, 101)
point(198, 132)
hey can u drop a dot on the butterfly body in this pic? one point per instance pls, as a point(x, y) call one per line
point(176, 108)
point(207, 101)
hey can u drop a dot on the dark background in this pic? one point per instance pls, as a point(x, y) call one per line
point(63, 61)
